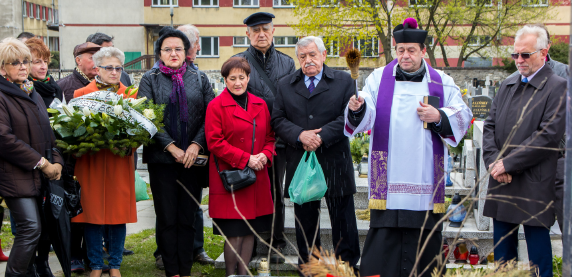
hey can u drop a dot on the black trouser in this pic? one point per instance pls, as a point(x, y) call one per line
point(344, 228)
point(175, 210)
point(392, 252)
point(276, 174)
point(26, 215)
point(78, 247)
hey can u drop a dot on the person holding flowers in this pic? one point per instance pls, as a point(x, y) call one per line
point(107, 180)
point(170, 159)
point(25, 135)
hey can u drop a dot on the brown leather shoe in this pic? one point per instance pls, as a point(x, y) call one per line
point(203, 259)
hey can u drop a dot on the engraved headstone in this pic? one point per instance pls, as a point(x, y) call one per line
point(480, 106)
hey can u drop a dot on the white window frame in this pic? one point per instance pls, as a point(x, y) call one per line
point(50, 19)
point(479, 41)
point(331, 52)
point(25, 9)
point(527, 3)
point(288, 42)
point(213, 47)
point(319, 5)
point(417, 5)
point(246, 44)
point(363, 55)
point(44, 13)
point(38, 10)
point(164, 6)
point(472, 3)
point(199, 5)
point(280, 5)
point(31, 14)
point(246, 6)
point(432, 41)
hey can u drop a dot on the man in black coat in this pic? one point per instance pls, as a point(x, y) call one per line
point(308, 115)
point(522, 166)
point(275, 65)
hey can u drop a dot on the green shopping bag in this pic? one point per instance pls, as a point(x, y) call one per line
point(140, 188)
point(308, 183)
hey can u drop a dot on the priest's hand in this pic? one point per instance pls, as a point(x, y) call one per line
point(310, 139)
point(497, 169)
point(428, 113)
point(355, 104)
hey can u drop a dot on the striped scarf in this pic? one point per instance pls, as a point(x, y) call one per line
point(178, 93)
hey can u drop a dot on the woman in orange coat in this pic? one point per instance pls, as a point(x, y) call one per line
point(107, 180)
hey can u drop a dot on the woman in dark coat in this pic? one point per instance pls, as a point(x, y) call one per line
point(48, 89)
point(170, 159)
point(25, 134)
point(229, 127)
point(44, 84)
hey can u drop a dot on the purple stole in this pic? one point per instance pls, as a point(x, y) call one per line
point(378, 186)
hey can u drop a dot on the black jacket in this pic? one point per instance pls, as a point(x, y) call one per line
point(528, 159)
point(157, 87)
point(276, 65)
point(48, 91)
point(71, 83)
point(296, 110)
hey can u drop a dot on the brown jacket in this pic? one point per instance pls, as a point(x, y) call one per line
point(71, 83)
point(532, 167)
point(25, 134)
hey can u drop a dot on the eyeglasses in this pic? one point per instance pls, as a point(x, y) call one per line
point(111, 68)
point(39, 61)
point(523, 55)
point(169, 50)
point(19, 63)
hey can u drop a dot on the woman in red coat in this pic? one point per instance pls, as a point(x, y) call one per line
point(228, 128)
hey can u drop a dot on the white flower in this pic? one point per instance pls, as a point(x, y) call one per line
point(86, 111)
point(137, 102)
point(117, 110)
point(149, 113)
point(69, 110)
point(57, 126)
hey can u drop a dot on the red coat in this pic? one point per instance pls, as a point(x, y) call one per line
point(228, 128)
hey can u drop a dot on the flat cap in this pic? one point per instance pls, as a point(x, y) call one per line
point(258, 18)
point(86, 47)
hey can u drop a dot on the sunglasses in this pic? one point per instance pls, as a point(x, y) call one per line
point(523, 55)
point(19, 63)
point(111, 68)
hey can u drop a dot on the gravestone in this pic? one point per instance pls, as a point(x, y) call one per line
point(478, 91)
point(480, 106)
point(475, 82)
point(485, 91)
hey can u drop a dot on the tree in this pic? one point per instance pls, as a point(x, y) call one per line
point(559, 52)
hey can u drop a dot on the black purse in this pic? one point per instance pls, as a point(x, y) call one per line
point(236, 179)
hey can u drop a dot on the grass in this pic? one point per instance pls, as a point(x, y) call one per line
point(6, 236)
point(149, 191)
point(205, 200)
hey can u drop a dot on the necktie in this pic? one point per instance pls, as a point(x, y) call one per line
point(525, 80)
point(311, 87)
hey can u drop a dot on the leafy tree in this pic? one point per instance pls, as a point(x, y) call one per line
point(559, 52)
point(55, 61)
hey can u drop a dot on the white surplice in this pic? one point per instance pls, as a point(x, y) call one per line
point(410, 158)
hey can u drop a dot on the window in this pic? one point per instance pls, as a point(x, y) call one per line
point(165, 3)
point(44, 13)
point(285, 41)
point(56, 17)
point(283, 3)
point(37, 11)
point(431, 41)
point(478, 40)
point(488, 3)
point(205, 3)
point(327, 3)
point(418, 3)
point(50, 14)
point(31, 10)
point(209, 47)
point(241, 42)
point(535, 3)
point(24, 9)
point(368, 47)
point(333, 49)
point(245, 3)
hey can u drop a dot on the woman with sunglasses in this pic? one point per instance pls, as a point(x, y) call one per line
point(107, 180)
point(25, 134)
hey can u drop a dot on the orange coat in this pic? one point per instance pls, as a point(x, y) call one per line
point(107, 182)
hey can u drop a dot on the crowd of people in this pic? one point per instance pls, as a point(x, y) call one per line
point(261, 125)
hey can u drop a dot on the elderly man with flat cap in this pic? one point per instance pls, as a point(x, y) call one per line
point(84, 71)
point(407, 158)
point(269, 65)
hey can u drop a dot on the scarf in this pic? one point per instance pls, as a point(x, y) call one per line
point(407, 76)
point(82, 74)
point(379, 187)
point(178, 93)
point(45, 80)
point(26, 86)
point(47, 88)
point(101, 85)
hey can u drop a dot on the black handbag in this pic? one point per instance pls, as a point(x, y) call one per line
point(236, 179)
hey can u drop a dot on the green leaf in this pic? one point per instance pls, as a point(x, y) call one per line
point(79, 131)
point(109, 135)
point(53, 111)
point(64, 132)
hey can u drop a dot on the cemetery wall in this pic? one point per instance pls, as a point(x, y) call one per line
point(460, 75)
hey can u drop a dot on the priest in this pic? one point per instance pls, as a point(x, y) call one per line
point(407, 157)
